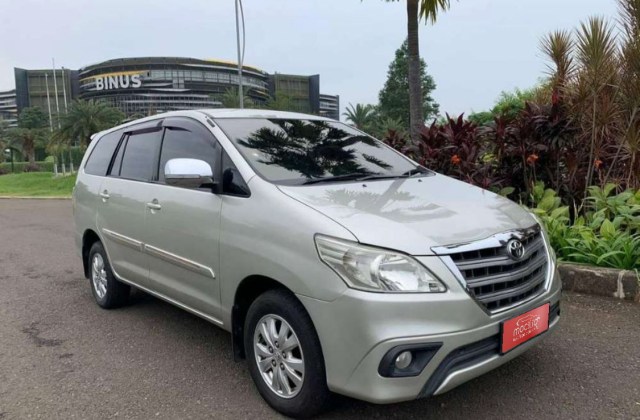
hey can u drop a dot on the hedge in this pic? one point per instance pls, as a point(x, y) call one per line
point(19, 167)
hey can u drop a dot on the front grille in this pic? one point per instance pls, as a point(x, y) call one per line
point(496, 280)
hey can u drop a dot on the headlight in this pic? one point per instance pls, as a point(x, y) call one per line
point(376, 270)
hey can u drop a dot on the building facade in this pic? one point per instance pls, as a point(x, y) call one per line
point(8, 107)
point(330, 106)
point(46, 90)
point(302, 92)
point(149, 85)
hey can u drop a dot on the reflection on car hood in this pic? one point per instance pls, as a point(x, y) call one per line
point(414, 214)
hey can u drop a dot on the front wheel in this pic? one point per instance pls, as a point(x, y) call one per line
point(284, 355)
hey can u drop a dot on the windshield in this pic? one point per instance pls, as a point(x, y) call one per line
point(295, 152)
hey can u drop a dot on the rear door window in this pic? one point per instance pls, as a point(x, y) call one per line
point(101, 155)
point(140, 159)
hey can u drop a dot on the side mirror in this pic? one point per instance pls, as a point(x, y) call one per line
point(188, 173)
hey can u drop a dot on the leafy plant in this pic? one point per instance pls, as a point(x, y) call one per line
point(362, 116)
point(607, 235)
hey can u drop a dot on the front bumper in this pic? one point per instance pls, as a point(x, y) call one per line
point(359, 328)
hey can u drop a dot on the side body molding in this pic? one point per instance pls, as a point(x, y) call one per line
point(160, 253)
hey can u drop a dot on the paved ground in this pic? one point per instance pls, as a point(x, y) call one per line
point(63, 357)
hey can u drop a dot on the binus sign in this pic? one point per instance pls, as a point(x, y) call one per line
point(122, 81)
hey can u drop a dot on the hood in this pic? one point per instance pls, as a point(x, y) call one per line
point(413, 214)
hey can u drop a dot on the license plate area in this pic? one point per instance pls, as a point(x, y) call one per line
point(522, 328)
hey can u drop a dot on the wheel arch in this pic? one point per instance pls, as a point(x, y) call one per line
point(249, 289)
point(89, 237)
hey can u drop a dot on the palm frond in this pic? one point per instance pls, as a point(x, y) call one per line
point(429, 9)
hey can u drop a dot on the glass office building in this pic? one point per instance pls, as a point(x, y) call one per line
point(330, 106)
point(147, 86)
point(40, 88)
point(8, 107)
point(150, 85)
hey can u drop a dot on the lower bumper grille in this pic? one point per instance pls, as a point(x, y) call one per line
point(470, 355)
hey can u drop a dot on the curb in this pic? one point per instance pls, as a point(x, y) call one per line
point(15, 197)
point(610, 282)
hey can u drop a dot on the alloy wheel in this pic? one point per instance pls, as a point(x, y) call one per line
point(279, 356)
point(99, 276)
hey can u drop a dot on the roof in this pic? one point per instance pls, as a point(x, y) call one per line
point(184, 61)
point(219, 113)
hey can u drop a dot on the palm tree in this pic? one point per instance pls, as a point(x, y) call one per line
point(417, 10)
point(360, 115)
point(84, 119)
point(31, 132)
point(230, 99)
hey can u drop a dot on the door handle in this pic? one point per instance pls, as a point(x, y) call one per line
point(105, 195)
point(154, 205)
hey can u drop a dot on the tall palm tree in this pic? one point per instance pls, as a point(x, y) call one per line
point(360, 115)
point(84, 119)
point(230, 99)
point(30, 133)
point(416, 10)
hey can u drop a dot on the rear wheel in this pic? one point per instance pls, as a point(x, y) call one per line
point(106, 289)
point(284, 355)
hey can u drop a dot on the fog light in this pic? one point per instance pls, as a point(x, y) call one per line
point(404, 360)
point(407, 360)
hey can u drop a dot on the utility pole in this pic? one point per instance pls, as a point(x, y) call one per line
point(240, 55)
point(55, 158)
point(55, 90)
point(66, 111)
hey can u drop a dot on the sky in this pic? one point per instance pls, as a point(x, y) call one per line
point(475, 51)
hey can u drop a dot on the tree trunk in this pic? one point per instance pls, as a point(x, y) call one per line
point(29, 148)
point(415, 87)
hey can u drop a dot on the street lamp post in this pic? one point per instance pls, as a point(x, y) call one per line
point(240, 54)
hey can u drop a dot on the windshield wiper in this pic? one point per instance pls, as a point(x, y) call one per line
point(346, 177)
point(408, 174)
point(414, 171)
point(365, 177)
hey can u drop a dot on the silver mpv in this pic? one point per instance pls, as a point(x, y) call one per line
point(337, 264)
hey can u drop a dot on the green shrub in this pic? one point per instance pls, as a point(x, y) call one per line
point(43, 166)
point(606, 234)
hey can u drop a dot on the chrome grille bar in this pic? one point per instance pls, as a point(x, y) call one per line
point(495, 279)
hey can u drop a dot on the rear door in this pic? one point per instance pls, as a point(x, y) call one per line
point(182, 226)
point(123, 194)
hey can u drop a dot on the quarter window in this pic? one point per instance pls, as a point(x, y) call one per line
point(100, 157)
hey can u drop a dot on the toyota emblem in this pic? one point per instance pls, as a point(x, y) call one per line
point(515, 249)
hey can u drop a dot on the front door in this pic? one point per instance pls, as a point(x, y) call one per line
point(182, 226)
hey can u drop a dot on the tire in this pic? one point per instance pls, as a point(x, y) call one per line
point(106, 289)
point(311, 396)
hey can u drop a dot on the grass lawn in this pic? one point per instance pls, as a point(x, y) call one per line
point(36, 184)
